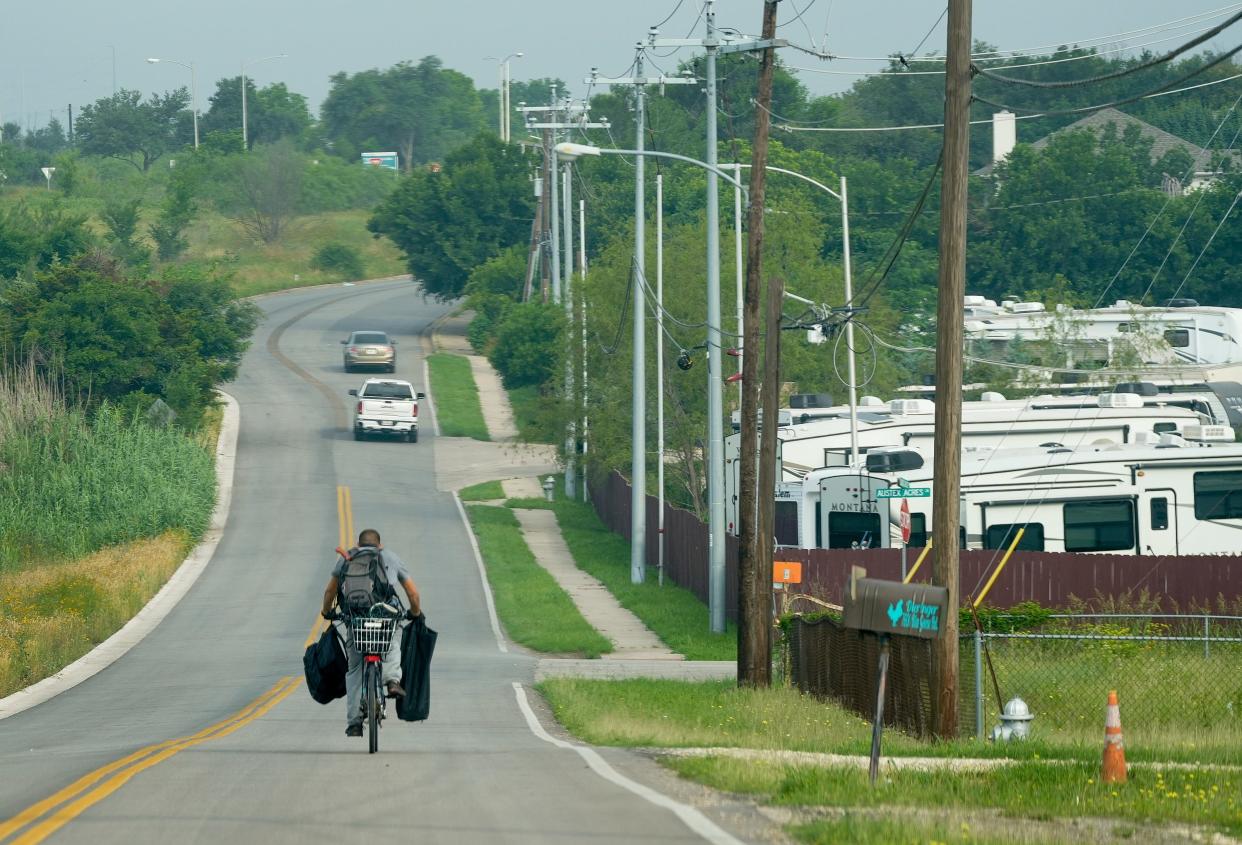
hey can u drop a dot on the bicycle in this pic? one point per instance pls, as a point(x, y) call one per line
point(372, 632)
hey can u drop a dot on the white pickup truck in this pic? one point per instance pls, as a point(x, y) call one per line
point(388, 407)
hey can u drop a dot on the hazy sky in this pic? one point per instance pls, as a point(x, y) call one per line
point(63, 49)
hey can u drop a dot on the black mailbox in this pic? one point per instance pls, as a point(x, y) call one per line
point(891, 607)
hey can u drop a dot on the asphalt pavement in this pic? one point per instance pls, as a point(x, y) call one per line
point(283, 771)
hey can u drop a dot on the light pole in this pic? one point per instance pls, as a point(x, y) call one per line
point(245, 132)
point(503, 91)
point(842, 196)
point(193, 90)
point(715, 381)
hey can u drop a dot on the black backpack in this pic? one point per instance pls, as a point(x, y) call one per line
point(364, 581)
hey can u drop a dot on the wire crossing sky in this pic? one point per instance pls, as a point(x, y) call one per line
point(61, 52)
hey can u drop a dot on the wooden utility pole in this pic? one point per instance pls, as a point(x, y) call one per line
point(754, 630)
point(947, 463)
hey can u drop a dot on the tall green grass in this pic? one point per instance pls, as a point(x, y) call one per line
point(458, 408)
point(70, 485)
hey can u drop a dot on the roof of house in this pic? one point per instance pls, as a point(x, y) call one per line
point(1161, 142)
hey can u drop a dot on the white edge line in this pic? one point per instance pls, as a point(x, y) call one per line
point(161, 604)
point(430, 399)
point(487, 588)
point(690, 816)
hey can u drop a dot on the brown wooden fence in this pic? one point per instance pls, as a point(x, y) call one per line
point(1050, 578)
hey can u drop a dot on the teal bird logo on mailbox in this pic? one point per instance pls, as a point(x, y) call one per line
point(894, 612)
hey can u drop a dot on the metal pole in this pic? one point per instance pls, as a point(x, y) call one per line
point(849, 324)
point(877, 727)
point(245, 133)
point(582, 270)
point(904, 546)
point(194, 101)
point(1207, 644)
point(553, 169)
point(737, 266)
point(500, 95)
point(979, 684)
point(715, 380)
point(638, 378)
point(659, 336)
point(571, 435)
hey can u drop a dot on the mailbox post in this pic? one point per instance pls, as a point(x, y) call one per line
point(885, 608)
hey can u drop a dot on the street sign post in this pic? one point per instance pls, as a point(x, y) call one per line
point(890, 607)
point(903, 520)
point(903, 492)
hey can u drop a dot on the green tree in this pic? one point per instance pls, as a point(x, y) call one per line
point(121, 216)
point(449, 222)
point(272, 112)
point(123, 126)
point(421, 110)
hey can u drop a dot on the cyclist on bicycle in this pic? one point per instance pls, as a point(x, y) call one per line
point(351, 591)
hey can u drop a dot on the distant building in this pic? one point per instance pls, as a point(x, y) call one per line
point(1004, 138)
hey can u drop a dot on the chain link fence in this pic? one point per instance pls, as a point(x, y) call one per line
point(1178, 678)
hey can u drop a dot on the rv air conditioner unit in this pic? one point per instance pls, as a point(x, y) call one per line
point(1208, 433)
point(912, 406)
point(1120, 400)
point(1028, 307)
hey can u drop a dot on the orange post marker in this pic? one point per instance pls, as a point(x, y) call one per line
point(1114, 770)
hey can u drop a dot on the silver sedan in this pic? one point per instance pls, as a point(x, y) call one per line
point(370, 349)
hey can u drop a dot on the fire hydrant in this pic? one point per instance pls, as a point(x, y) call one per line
point(549, 485)
point(1015, 721)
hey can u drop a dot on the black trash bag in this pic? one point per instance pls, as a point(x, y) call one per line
point(325, 664)
point(418, 642)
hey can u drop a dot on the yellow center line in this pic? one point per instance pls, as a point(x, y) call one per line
point(349, 518)
point(87, 781)
point(70, 811)
point(341, 536)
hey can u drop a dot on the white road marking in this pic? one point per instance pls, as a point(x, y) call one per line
point(487, 588)
point(161, 604)
point(690, 816)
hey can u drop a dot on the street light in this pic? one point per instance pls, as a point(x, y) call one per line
point(842, 196)
point(503, 91)
point(193, 90)
point(715, 439)
point(245, 132)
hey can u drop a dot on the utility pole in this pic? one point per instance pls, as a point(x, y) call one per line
point(947, 462)
point(71, 124)
point(714, 44)
point(755, 501)
point(638, 374)
point(562, 116)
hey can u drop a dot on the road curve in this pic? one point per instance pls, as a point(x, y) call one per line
point(217, 738)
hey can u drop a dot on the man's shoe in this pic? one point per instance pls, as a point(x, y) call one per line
point(395, 690)
point(353, 730)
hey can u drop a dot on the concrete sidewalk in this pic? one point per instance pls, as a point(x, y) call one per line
point(630, 637)
point(620, 670)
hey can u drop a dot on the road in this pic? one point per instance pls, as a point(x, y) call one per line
point(283, 770)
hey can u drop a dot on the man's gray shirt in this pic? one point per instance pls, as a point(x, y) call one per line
point(394, 567)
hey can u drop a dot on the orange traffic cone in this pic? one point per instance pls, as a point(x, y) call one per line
point(1114, 746)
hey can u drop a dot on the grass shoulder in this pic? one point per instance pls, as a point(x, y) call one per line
point(673, 614)
point(458, 409)
point(487, 491)
point(1042, 792)
point(534, 609)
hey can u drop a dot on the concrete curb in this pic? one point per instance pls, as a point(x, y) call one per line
point(161, 604)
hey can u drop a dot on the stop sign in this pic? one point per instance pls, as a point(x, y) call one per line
point(903, 520)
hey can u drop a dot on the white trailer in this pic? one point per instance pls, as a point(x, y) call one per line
point(1163, 495)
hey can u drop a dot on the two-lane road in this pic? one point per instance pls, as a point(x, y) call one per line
point(255, 759)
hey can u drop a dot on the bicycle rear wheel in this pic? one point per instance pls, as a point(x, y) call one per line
point(370, 685)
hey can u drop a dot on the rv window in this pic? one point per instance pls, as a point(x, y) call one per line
point(786, 524)
point(1000, 536)
point(1178, 338)
point(918, 530)
point(1218, 495)
point(1159, 514)
point(1165, 428)
point(845, 530)
point(1099, 526)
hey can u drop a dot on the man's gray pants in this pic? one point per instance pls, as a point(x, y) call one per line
point(353, 677)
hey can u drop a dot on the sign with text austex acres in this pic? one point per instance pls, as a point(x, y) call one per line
point(891, 607)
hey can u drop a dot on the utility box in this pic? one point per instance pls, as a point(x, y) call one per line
point(891, 607)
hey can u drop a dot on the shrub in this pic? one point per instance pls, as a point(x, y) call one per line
point(528, 347)
point(340, 260)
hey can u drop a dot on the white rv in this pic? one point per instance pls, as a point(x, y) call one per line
point(1063, 422)
point(1163, 494)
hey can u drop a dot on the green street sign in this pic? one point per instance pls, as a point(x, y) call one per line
point(902, 482)
point(903, 492)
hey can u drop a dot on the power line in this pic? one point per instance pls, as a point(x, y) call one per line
point(1125, 100)
point(671, 14)
point(1215, 231)
point(1117, 74)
